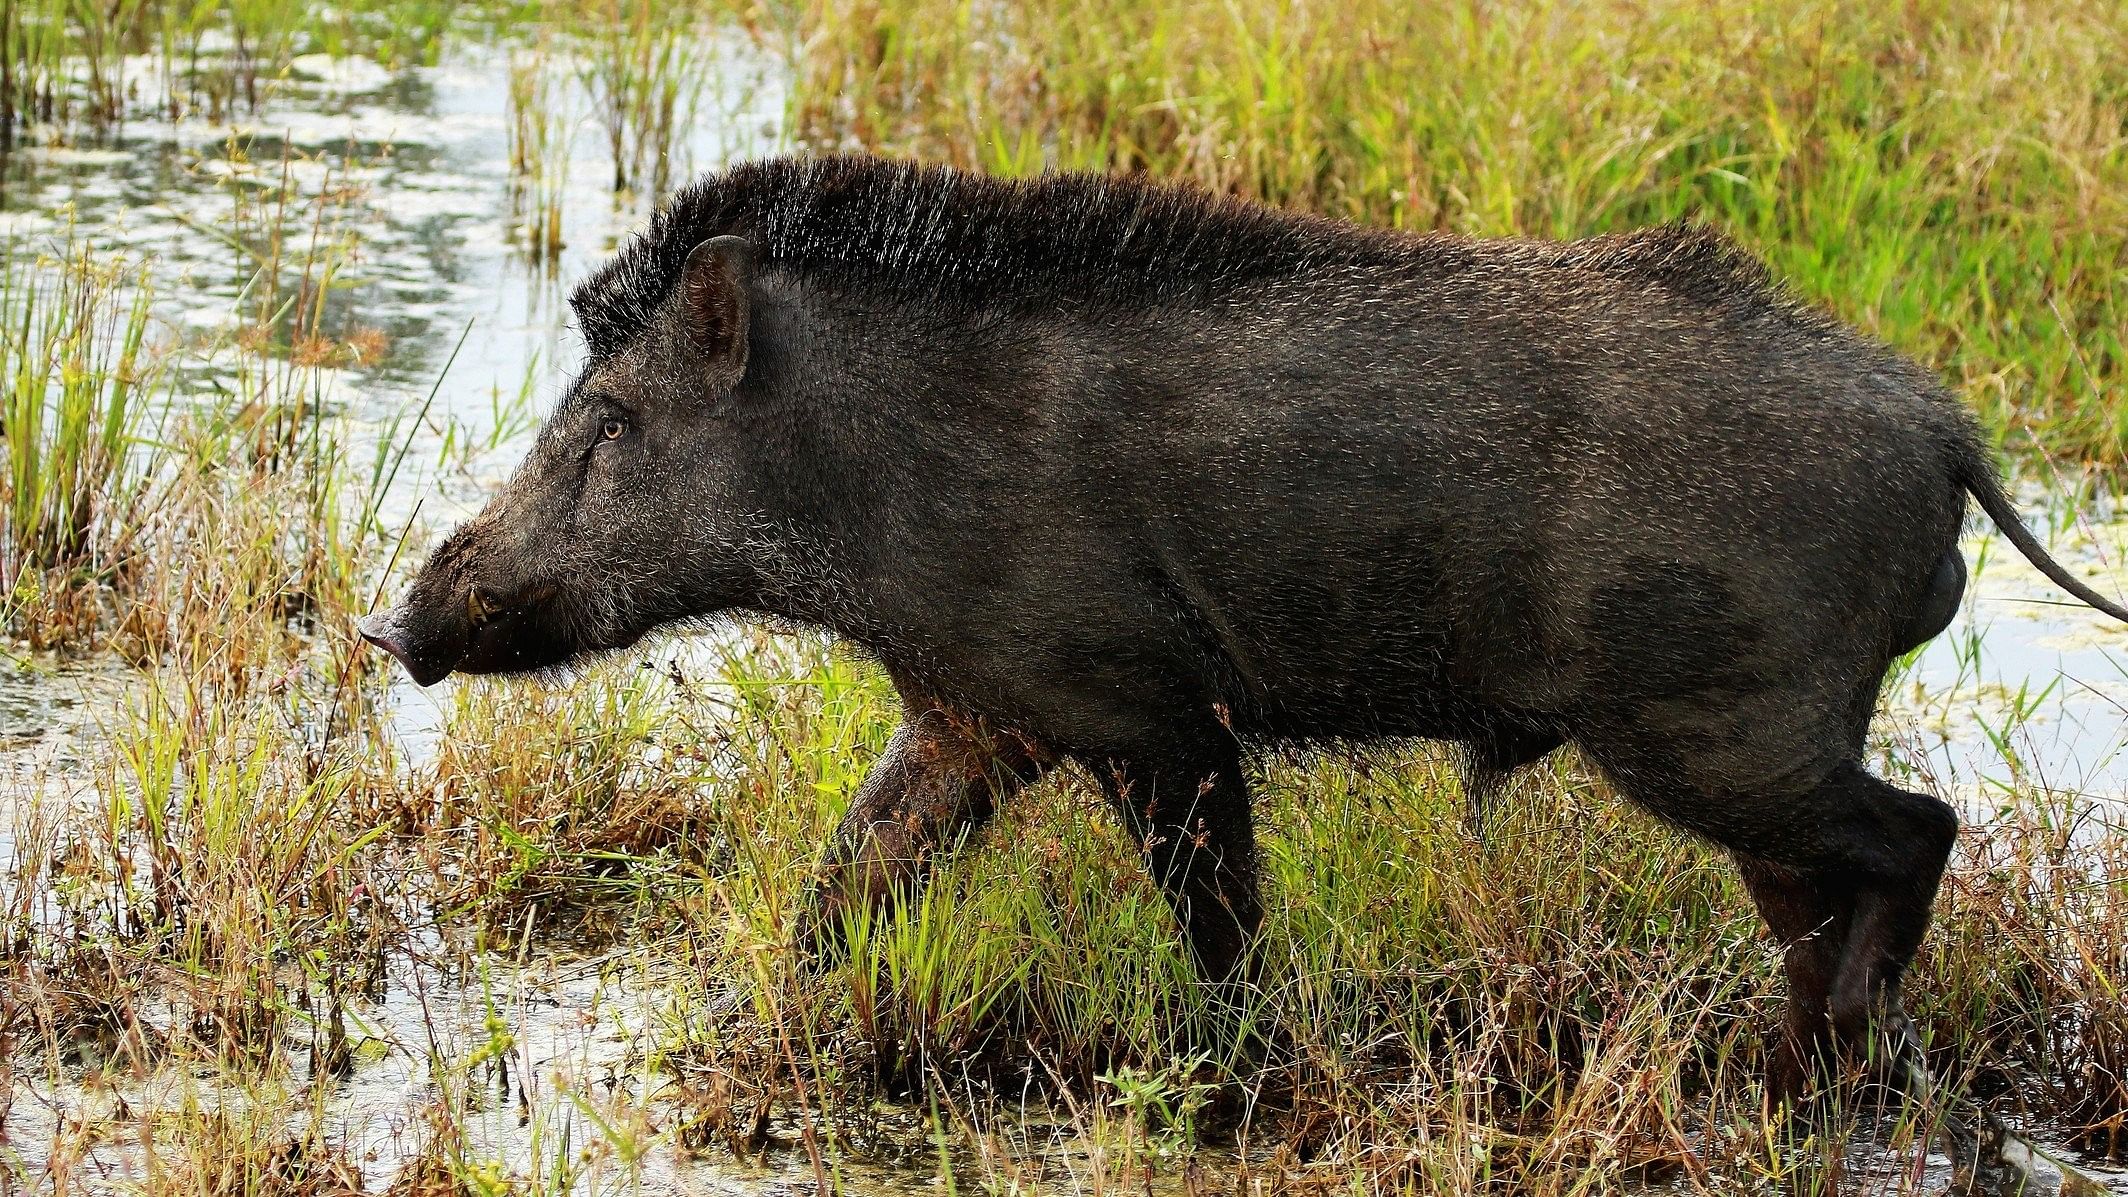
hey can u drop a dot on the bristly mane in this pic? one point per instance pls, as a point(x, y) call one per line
point(935, 234)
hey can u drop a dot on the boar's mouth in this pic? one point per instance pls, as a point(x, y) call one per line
point(475, 637)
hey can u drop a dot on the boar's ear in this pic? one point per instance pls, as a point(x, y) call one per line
point(713, 290)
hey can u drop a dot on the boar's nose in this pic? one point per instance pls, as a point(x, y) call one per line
point(379, 630)
point(384, 632)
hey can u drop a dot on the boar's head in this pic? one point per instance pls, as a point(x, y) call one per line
point(609, 528)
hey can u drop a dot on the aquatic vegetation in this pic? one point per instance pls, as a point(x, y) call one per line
point(644, 70)
point(1586, 992)
point(539, 153)
point(67, 67)
point(2027, 982)
point(259, 878)
point(73, 328)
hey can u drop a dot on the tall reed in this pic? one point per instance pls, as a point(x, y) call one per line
point(643, 66)
point(77, 373)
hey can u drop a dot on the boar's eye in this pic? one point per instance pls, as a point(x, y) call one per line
point(614, 429)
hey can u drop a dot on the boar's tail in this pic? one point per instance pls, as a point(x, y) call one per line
point(1978, 476)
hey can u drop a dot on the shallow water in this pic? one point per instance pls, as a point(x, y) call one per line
point(535, 1066)
point(410, 172)
point(2027, 686)
point(412, 168)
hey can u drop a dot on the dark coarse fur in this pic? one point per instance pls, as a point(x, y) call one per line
point(1109, 471)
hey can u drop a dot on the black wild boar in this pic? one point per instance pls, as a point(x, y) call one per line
point(1123, 474)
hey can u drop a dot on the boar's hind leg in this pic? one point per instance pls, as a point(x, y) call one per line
point(1891, 914)
point(1852, 860)
point(940, 779)
point(1190, 813)
point(1812, 928)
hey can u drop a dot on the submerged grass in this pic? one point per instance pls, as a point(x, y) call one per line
point(539, 154)
point(69, 67)
point(643, 67)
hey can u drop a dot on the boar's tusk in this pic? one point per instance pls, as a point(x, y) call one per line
point(479, 607)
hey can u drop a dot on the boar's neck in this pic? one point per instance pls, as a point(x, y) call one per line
point(943, 468)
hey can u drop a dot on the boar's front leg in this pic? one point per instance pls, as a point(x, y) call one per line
point(941, 777)
point(1191, 815)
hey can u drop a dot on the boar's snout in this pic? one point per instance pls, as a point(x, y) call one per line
point(469, 627)
point(428, 658)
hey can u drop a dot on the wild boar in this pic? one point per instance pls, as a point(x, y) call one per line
point(1112, 472)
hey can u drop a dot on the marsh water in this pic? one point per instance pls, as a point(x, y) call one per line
point(411, 171)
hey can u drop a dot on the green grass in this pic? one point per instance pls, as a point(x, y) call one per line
point(1951, 176)
point(1580, 998)
point(76, 379)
